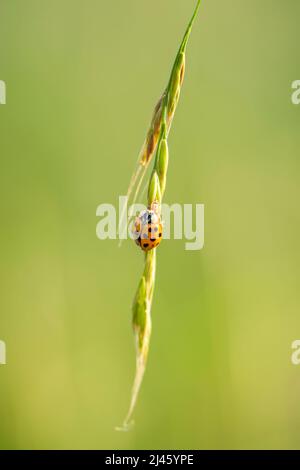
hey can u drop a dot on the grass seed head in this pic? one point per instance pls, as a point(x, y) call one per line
point(156, 140)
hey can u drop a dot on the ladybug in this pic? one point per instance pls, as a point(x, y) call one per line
point(148, 229)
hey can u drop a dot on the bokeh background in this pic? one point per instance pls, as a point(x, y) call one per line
point(82, 79)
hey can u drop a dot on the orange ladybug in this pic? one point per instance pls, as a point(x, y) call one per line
point(148, 229)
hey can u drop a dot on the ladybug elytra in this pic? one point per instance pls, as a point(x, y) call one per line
point(148, 229)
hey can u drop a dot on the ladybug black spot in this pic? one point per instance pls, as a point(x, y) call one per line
point(153, 239)
point(150, 229)
point(146, 245)
point(160, 235)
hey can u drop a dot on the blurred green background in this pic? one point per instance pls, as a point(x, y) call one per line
point(82, 79)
